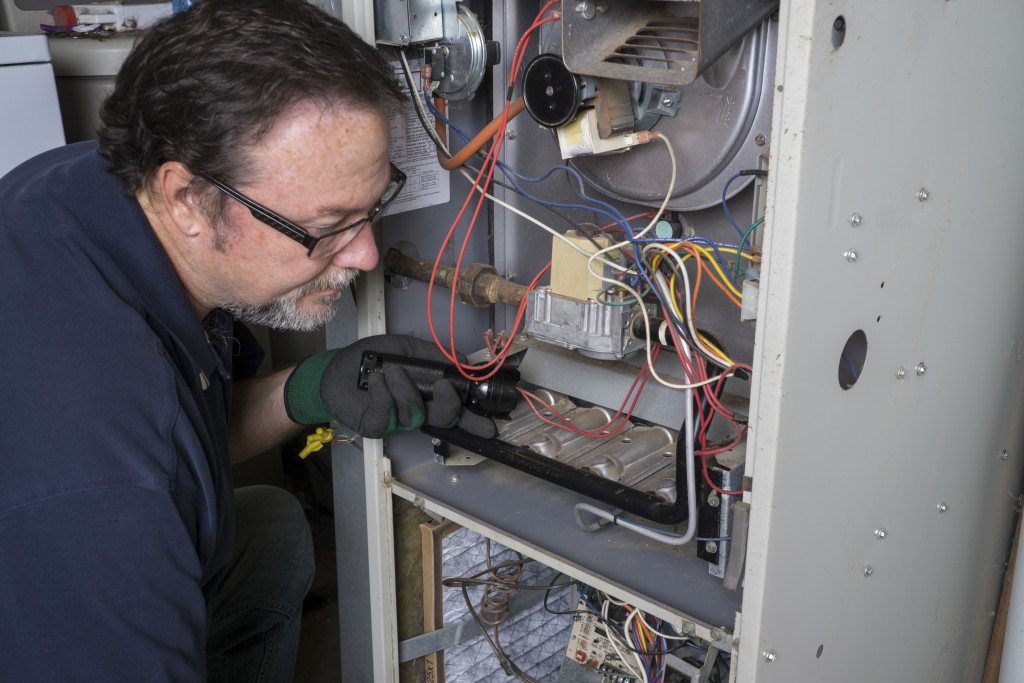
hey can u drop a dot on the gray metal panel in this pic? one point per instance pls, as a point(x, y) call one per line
point(539, 515)
point(860, 129)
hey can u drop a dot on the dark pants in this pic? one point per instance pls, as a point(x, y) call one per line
point(257, 615)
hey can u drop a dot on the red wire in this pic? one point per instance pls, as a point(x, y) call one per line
point(707, 478)
point(598, 432)
point(489, 163)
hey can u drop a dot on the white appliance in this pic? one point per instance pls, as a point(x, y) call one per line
point(30, 120)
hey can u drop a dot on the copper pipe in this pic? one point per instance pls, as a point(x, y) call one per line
point(478, 284)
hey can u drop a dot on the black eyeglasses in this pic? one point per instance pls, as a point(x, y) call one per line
point(319, 246)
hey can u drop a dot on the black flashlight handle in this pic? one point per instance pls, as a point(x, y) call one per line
point(491, 397)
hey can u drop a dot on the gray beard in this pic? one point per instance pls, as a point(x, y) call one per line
point(284, 313)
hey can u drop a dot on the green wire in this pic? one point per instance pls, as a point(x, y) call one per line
point(739, 249)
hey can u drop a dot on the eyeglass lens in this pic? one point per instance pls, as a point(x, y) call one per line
point(332, 244)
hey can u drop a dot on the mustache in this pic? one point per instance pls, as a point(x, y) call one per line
point(339, 279)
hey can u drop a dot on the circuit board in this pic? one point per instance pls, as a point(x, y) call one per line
point(590, 648)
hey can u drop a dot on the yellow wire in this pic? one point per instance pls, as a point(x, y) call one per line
point(722, 277)
point(707, 257)
point(709, 345)
point(749, 257)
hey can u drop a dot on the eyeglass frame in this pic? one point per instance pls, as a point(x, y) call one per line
point(296, 231)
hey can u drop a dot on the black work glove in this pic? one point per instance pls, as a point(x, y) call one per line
point(324, 387)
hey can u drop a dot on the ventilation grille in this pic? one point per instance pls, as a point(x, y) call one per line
point(644, 42)
point(661, 44)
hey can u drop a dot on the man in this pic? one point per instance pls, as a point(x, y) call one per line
point(127, 386)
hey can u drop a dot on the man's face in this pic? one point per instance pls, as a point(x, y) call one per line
point(321, 170)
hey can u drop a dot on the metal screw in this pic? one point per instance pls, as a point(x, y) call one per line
point(769, 656)
point(880, 532)
point(942, 507)
point(403, 39)
point(689, 629)
point(510, 276)
point(711, 547)
point(856, 220)
point(923, 194)
point(510, 135)
point(454, 479)
point(921, 369)
point(435, 442)
point(667, 101)
point(585, 9)
point(387, 479)
point(850, 255)
point(901, 373)
point(1004, 456)
point(716, 634)
point(760, 139)
point(868, 571)
point(487, 354)
point(713, 500)
point(524, 337)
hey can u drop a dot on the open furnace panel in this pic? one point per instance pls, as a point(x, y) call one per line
point(669, 126)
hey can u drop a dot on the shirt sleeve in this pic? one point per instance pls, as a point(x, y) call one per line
point(102, 585)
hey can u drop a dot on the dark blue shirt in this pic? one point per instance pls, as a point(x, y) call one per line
point(116, 516)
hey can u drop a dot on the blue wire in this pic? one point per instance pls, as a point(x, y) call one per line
point(850, 365)
point(611, 213)
point(714, 247)
point(726, 208)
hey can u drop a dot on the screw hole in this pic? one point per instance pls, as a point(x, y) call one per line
point(882, 286)
point(821, 648)
point(851, 360)
point(838, 31)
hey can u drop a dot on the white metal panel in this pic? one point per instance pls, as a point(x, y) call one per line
point(30, 120)
point(21, 48)
point(920, 95)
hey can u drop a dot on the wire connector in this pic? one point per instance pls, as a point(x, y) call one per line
point(316, 441)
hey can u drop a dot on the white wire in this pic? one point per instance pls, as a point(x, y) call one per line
point(691, 486)
point(542, 225)
point(414, 94)
point(654, 630)
point(671, 186)
point(642, 673)
point(647, 328)
point(666, 293)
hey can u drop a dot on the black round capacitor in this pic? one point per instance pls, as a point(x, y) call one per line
point(551, 92)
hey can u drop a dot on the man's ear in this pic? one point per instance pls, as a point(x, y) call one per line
point(172, 181)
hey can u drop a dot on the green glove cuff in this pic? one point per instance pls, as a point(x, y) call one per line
point(302, 391)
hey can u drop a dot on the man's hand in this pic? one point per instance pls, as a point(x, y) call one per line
point(324, 387)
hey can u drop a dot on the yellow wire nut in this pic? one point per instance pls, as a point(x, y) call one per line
point(316, 441)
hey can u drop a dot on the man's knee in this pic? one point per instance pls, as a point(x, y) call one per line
point(273, 534)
